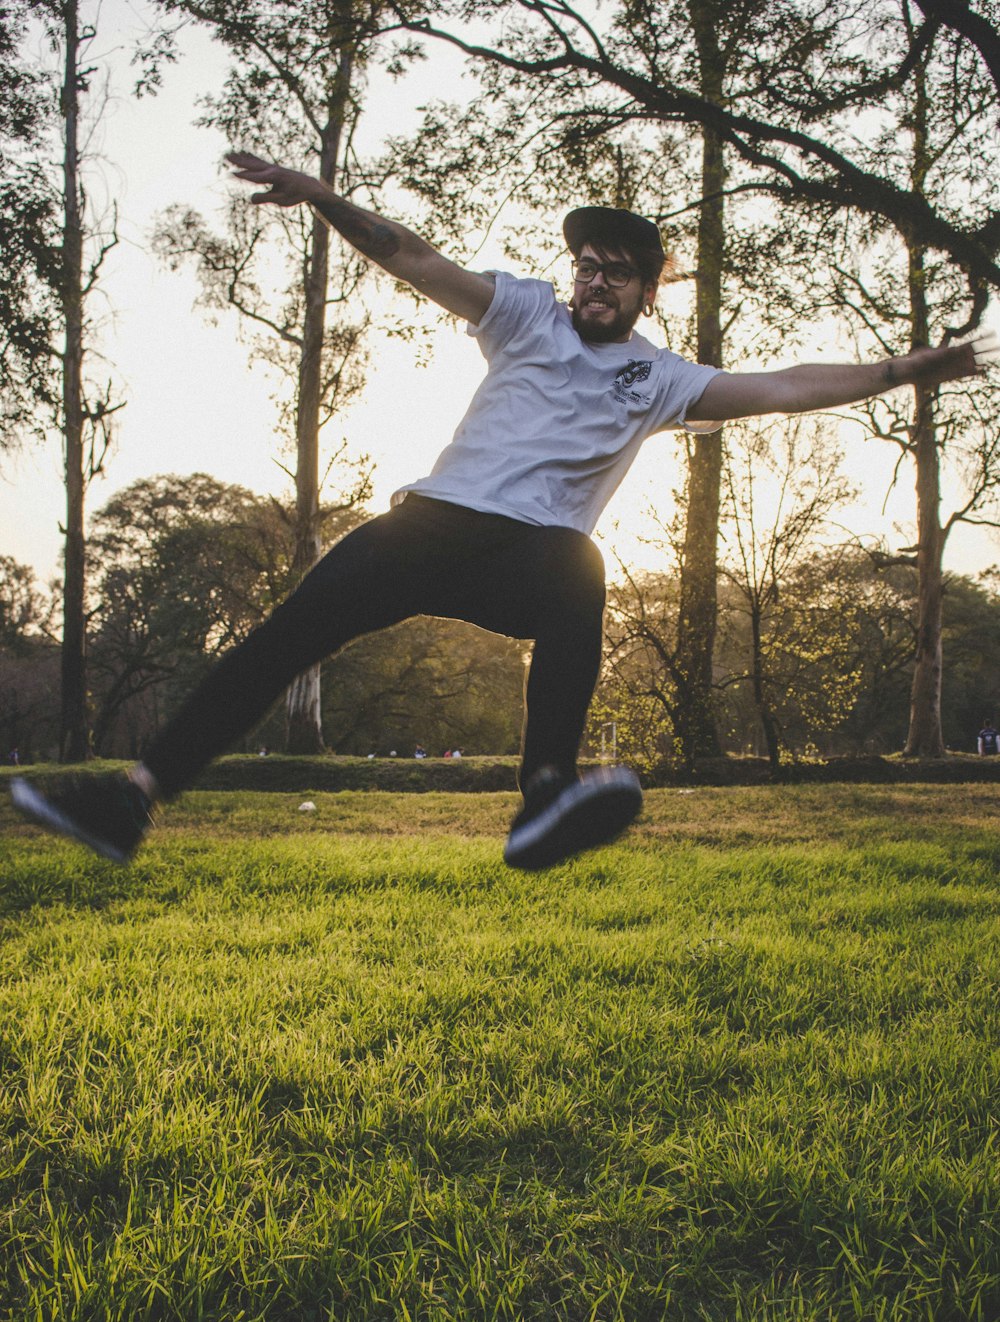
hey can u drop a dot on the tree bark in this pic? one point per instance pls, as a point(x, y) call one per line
point(303, 710)
point(695, 724)
point(74, 743)
point(925, 737)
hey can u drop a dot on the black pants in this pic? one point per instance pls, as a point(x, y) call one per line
point(425, 557)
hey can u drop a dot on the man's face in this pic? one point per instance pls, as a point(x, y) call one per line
point(602, 313)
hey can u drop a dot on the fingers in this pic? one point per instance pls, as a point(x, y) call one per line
point(246, 160)
point(252, 168)
point(255, 170)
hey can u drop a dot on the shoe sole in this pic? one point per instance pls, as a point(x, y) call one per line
point(592, 812)
point(35, 805)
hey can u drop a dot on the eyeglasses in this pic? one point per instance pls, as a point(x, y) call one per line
point(617, 274)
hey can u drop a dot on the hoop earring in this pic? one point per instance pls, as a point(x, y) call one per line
point(648, 310)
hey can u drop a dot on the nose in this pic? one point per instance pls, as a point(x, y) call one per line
point(599, 277)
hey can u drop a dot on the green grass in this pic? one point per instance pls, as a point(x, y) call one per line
point(345, 1065)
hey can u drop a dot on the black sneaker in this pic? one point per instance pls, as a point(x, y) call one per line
point(106, 812)
point(561, 817)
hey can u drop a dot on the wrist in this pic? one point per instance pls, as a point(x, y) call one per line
point(317, 191)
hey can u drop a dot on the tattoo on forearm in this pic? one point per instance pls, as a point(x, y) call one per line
point(367, 235)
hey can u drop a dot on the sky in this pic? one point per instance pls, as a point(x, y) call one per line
point(194, 403)
point(193, 400)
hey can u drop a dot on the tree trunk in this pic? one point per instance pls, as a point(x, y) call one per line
point(695, 722)
point(698, 612)
point(772, 739)
point(74, 743)
point(304, 730)
point(925, 737)
point(303, 711)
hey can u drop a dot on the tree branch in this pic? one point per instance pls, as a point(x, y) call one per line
point(978, 31)
point(846, 185)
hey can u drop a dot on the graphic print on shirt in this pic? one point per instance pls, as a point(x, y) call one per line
point(633, 373)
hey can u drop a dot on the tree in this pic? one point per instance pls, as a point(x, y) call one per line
point(880, 617)
point(187, 567)
point(970, 629)
point(292, 92)
point(440, 683)
point(879, 621)
point(788, 116)
point(28, 240)
point(178, 579)
point(838, 659)
point(786, 668)
point(581, 135)
point(25, 611)
point(48, 333)
point(903, 297)
point(28, 662)
point(638, 687)
point(782, 484)
point(717, 45)
point(795, 125)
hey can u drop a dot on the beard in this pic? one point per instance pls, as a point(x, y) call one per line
point(604, 332)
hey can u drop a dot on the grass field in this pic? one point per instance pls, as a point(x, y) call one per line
point(345, 1065)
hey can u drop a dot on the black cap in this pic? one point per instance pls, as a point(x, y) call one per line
point(612, 225)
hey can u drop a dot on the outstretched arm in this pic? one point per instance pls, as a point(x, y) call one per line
point(395, 248)
point(810, 387)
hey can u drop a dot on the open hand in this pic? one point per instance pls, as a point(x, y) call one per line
point(286, 188)
point(932, 367)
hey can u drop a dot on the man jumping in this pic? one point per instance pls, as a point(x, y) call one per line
point(498, 533)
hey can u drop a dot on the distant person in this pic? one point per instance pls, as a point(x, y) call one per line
point(447, 752)
point(456, 754)
point(420, 751)
point(15, 758)
point(989, 740)
point(498, 533)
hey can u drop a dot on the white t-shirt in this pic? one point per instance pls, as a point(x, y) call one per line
point(557, 421)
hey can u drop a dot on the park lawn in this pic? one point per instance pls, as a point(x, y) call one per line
point(344, 1064)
